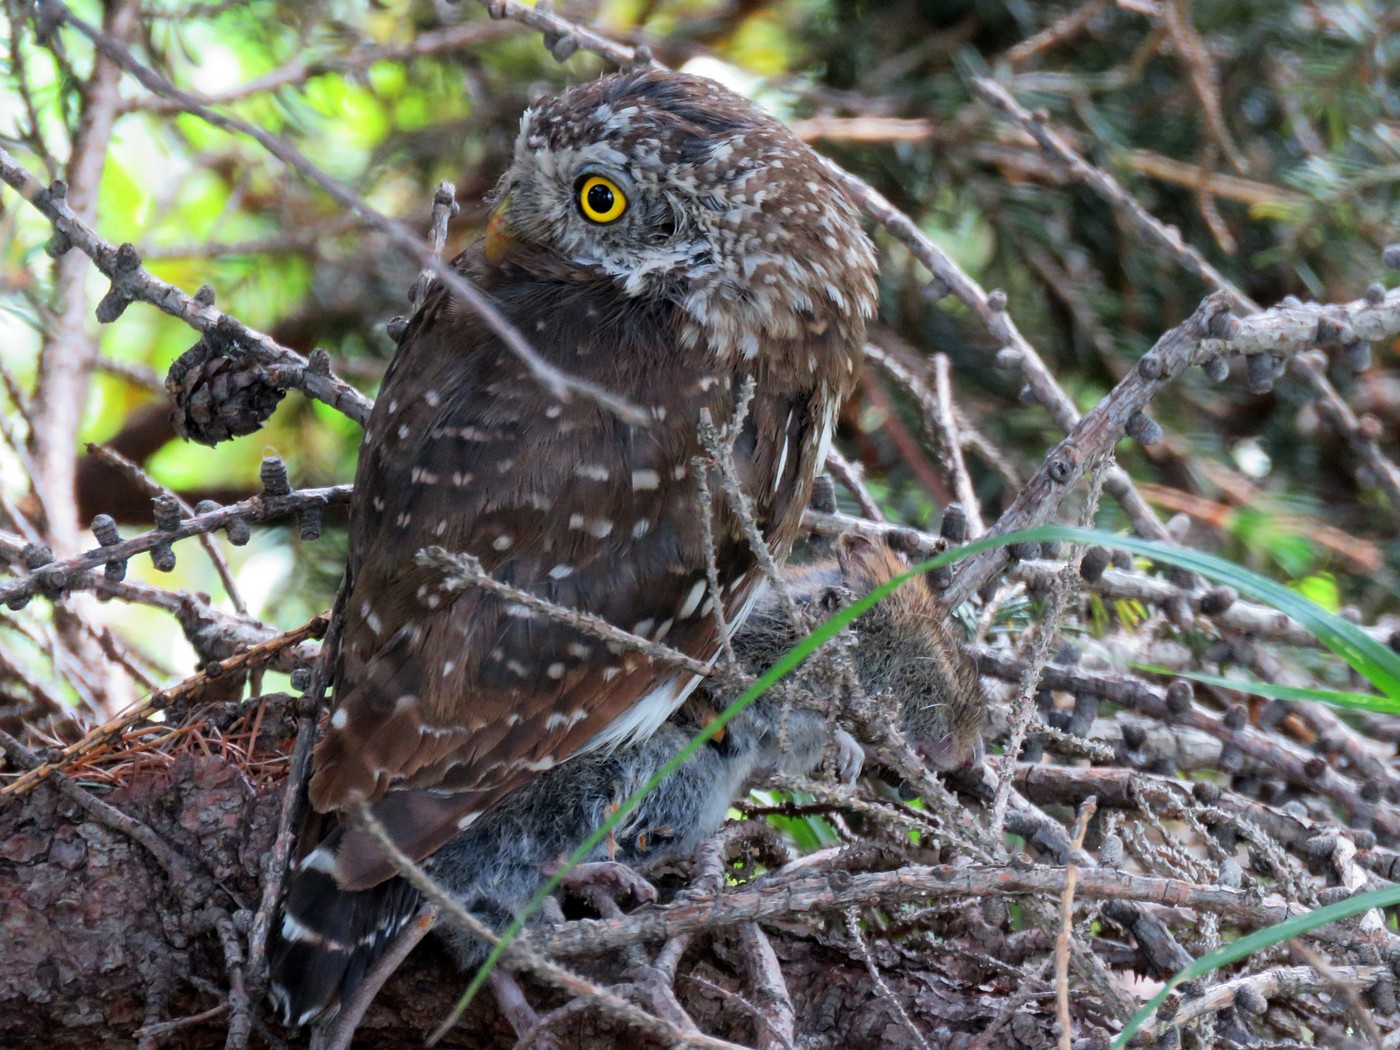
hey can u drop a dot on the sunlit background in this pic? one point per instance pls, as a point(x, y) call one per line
point(1294, 193)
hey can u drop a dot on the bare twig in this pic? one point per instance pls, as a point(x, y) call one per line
point(294, 792)
point(1272, 983)
point(555, 27)
point(560, 385)
point(766, 974)
point(1327, 325)
point(849, 475)
point(67, 574)
point(1066, 935)
point(876, 978)
point(1065, 28)
point(154, 488)
point(352, 1012)
point(103, 734)
point(1192, 50)
point(69, 352)
point(806, 893)
point(357, 58)
point(990, 308)
point(133, 282)
point(950, 443)
point(936, 411)
point(1090, 440)
point(460, 571)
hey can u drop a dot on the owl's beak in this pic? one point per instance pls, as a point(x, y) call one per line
point(500, 237)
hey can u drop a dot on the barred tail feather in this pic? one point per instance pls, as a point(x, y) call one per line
point(328, 937)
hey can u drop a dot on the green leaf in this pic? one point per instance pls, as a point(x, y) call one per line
point(1321, 588)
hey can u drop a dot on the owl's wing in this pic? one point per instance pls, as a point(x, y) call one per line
point(448, 702)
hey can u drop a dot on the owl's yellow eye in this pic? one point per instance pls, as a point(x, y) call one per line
point(600, 199)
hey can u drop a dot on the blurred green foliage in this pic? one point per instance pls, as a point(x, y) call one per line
point(1302, 194)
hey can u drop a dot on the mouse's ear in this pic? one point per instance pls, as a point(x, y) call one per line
point(852, 550)
point(866, 563)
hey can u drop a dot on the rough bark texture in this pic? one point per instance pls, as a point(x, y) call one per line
point(97, 943)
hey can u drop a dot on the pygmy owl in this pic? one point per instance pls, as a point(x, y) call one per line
point(664, 238)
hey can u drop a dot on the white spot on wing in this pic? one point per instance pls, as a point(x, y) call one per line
point(828, 429)
point(371, 619)
point(294, 932)
point(599, 527)
point(746, 604)
point(782, 462)
point(644, 717)
point(692, 600)
point(319, 859)
point(565, 721)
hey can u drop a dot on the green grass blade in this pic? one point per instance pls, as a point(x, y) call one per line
point(1258, 941)
point(1273, 691)
point(1375, 662)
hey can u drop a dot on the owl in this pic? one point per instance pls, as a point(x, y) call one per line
point(665, 239)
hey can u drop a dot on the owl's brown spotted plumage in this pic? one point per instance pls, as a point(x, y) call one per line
point(666, 239)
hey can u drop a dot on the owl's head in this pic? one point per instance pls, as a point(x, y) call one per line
point(669, 185)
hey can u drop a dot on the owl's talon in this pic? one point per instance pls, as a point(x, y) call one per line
point(610, 877)
point(849, 756)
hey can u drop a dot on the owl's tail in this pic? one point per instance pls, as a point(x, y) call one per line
point(328, 937)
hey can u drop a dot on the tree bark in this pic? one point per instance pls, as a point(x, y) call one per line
point(100, 942)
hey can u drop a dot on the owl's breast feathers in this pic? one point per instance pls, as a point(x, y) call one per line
point(446, 702)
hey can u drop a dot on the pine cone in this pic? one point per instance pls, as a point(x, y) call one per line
point(220, 390)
